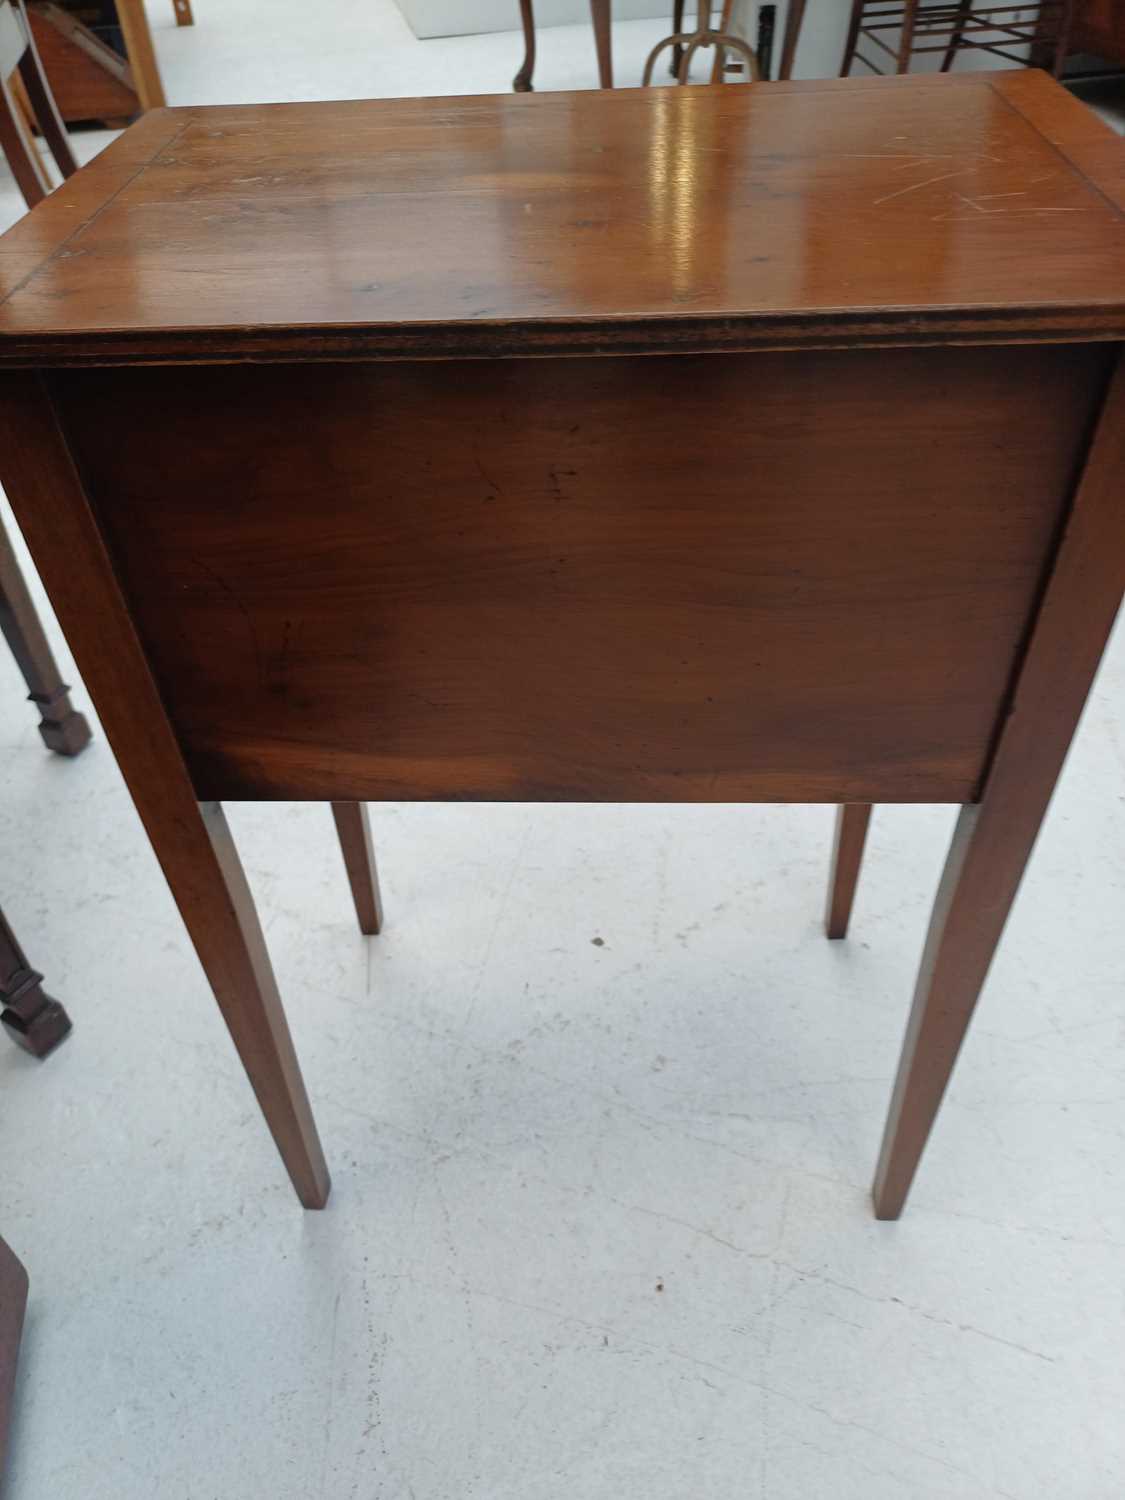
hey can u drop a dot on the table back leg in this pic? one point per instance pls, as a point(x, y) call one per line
point(354, 829)
point(191, 840)
point(852, 820)
point(995, 836)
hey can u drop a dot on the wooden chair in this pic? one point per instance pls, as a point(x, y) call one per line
point(685, 44)
point(917, 27)
point(18, 53)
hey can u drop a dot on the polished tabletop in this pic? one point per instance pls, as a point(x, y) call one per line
point(769, 215)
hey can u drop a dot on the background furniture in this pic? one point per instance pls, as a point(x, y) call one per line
point(885, 568)
point(13, 1304)
point(1098, 26)
point(141, 53)
point(600, 14)
point(794, 21)
point(90, 78)
point(18, 54)
point(683, 45)
point(63, 729)
point(99, 56)
point(917, 28)
point(31, 1018)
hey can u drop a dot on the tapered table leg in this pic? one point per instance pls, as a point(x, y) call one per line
point(994, 837)
point(191, 840)
point(354, 829)
point(852, 821)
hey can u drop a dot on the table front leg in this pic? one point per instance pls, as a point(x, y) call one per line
point(995, 837)
point(191, 840)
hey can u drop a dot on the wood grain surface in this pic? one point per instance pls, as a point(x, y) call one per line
point(746, 577)
point(837, 213)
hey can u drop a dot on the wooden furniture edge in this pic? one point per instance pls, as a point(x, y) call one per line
point(1089, 148)
point(1085, 142)
point(39, 238)
point(654, 335)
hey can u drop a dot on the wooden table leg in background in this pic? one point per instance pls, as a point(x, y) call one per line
point(142, 56)
point(793, 21)
point(13, 1304)
point(852, 820)
point(522, 81)
point(600, 14)
point(191, 839)
point(995, 836)
point(63, 730)
point(182, 9)
point(31, 1018)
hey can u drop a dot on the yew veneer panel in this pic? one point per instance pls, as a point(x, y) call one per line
point(731, 577)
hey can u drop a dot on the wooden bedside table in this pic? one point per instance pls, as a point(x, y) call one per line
point(348, 439)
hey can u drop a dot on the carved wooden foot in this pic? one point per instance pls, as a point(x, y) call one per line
point(63, 728)
point(31, 1018)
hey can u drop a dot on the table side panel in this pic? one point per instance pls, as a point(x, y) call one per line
point(803, 576)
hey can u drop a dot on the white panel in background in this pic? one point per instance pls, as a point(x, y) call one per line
point(429, 18)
